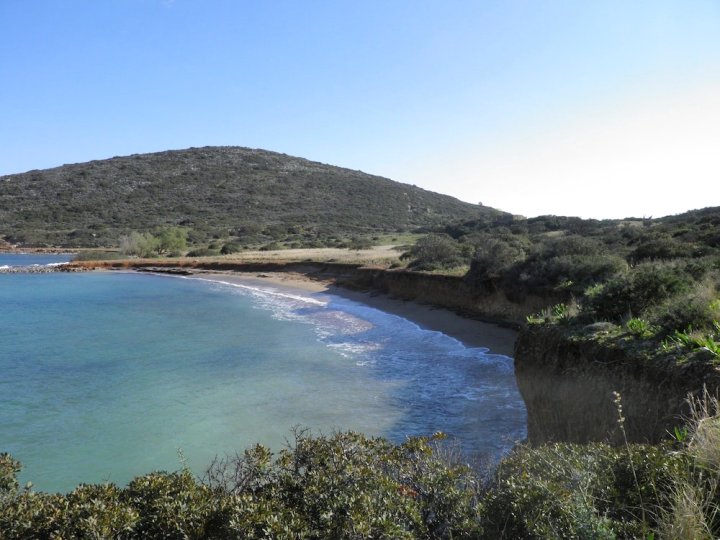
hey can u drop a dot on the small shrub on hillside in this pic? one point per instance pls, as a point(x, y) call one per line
point(643, 287)
point(493, 257)
point(572, 272)
point(660, 247)
point(696, 309)
point(568, 245)
point(230, 248)
point(435, 252)
point(641, 328)
point(203, 252)
point(360, 243)
point(708, 340)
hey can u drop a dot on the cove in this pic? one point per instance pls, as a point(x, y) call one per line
point(106, 376)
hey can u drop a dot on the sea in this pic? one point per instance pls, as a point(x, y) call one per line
point(106, 376)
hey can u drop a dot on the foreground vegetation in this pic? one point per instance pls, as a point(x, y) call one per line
point(351, 486)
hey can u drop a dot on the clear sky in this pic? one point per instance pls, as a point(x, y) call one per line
point(590, 108)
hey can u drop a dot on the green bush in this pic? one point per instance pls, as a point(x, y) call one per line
point(230, 248)
point(203, 252)
point(660, 247)
point(646, 285)
point(571, 272)
point(343, 486)
point(169, 505)
point(347, 486)
point(435, 252)
point(96, 255)
point(580, 491)
point(696, 309)
point(641, 328)
point(493, 257)
point(9, 468)
point(360, 243)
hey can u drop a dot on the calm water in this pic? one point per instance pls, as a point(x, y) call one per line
point(23, 259)
point(105, 376)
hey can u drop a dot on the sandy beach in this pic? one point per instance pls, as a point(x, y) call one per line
point(470, 332)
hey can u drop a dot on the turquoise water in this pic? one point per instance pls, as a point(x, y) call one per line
point(105, 376)
point(26, 259)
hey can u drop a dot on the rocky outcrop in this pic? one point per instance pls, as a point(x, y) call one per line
point(40, 269)
point(568, 380)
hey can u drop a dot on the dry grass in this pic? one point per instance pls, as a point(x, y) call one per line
point(694, 509)
point(384, 255)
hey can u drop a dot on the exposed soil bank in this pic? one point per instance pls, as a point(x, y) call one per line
point(568, 383)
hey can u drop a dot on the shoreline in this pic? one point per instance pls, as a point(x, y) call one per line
point(498, 339)
point(470, 332)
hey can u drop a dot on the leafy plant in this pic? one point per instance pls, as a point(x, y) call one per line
point(641, 328)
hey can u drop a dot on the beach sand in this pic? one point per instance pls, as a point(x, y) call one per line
point(470, 332)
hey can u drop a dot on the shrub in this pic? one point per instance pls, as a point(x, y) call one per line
point(435, 252)
point(571, 272)
point(661, 247)
point(96, 255)
point(493, 257)
point(203, 252)
point(230, 248)
point(580, 491)
point(348, 486)
point(568, 245)
point(9, 468)
point(360, 243)
point(633, 293)
point(169, 239)
point(139, 244)
point(641, 328)
point(696, 309)
point(169, 505)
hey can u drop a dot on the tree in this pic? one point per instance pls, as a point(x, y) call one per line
point(138, 244)
point(171, 239)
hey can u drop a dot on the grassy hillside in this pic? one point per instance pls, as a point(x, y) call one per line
point(216, 192)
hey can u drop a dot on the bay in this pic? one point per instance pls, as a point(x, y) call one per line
point(105, 376)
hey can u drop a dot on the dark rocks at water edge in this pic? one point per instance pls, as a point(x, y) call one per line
point(40, 269)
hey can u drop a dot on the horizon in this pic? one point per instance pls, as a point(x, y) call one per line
point(598, 111)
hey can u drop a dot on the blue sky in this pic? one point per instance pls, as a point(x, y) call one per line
point(597, 109)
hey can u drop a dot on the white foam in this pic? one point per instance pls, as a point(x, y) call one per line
point(264, 291)
point(352, 349)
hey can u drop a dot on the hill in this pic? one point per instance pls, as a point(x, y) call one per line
point(216, 192)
